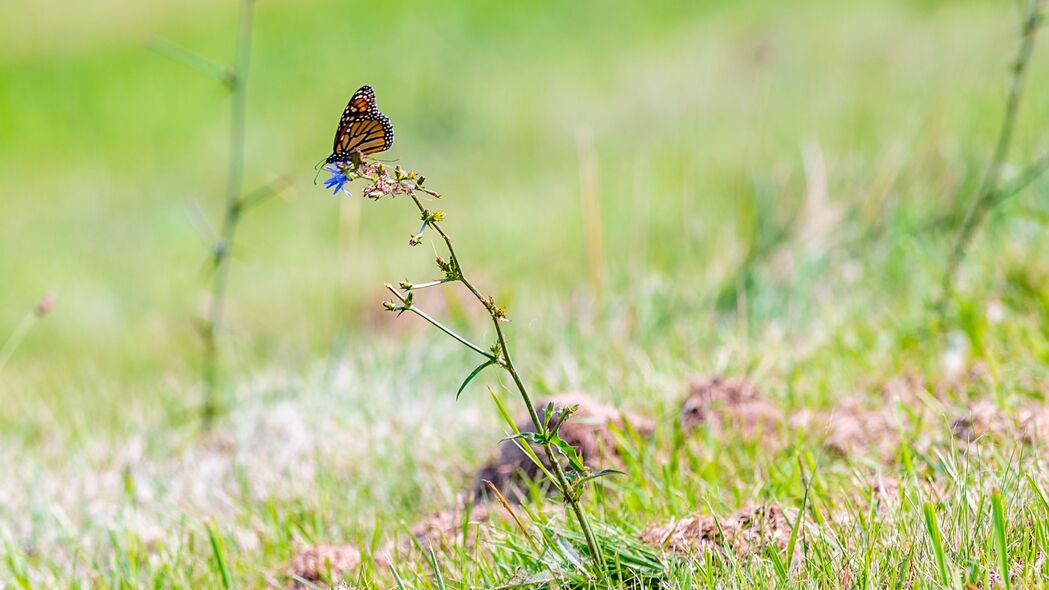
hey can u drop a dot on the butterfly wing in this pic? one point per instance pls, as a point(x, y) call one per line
point(361, 103)
point(362, 127)
point(369, 135)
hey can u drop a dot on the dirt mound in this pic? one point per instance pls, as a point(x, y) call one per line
point(321, 564)
point(743, 533)
point(1029, 423)
point(853, 427)
point(728, 403)
point(460, 526)
point(591, 430)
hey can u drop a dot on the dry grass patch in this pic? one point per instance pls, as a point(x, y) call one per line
point(729, 404)
point(321, 564)
point(743, 533)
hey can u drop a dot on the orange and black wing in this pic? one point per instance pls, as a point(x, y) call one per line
point(362, 127)
point(361, 103)
point(369, 134)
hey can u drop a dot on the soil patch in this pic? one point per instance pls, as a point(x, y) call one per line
point(729, 404)
point(593, 430)
point(743, 533)
point(321, 563)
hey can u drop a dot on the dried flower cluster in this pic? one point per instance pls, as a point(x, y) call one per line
point(382, 182)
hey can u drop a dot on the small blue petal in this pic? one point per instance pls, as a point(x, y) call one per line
point(337, 180)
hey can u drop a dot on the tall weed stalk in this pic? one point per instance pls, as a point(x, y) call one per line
point(563, 464)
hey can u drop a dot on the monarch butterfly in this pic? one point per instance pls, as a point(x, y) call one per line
point(362, 128)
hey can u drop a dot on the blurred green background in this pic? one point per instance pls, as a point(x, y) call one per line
point(699, 117)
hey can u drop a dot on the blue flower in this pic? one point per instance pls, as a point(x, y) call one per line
point(337, 181)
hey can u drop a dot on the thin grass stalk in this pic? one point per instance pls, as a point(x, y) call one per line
point(31, 318)
point(990, 192)
point(234, 209)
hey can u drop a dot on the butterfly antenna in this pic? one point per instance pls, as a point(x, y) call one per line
point(317, 167)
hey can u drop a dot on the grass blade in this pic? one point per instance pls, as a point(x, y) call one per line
point(525, 447)
point(937, 542)
point(438, 578)
point(998, 512)
point(219, 552)
point(801, 518)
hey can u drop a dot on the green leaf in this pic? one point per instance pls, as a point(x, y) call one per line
point(1038, 492)
point(470, 378)
point(575, 461)
point(219, 553)
point(397, 578)
point(801, 517)
point(937, 542)
point(438, 578)
point(602, 473)
point(526, 449)
point(548, 414)
point(777, 562)
point(199, 63)
point(529, 436)
point(998, 513)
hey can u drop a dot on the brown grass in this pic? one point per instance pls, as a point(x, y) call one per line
point(743, 533)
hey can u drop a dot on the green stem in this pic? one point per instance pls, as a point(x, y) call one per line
point(439, 325)
point(430, 284)
point(508, 365)
point(1024, 179)
point(234, 209)
point(989, 193)
point(16, 338)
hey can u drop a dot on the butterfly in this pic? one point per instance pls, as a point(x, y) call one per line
point(362, 128)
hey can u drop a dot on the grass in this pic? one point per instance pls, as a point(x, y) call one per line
point(778, 188)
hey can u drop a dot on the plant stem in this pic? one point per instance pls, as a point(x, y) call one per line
point(1024, 179)
point(15, 339)
point(234, 209)
point(507, 364)
point(429, 284)
point(439, 325)
point(989, 193)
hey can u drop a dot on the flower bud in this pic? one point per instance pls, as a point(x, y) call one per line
point(44, 306)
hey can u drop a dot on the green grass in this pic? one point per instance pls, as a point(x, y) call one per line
point(714, 127)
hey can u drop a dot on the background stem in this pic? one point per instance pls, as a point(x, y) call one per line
point(988, 195)
point(234, 208)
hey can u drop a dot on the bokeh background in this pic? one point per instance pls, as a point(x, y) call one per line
point(694, 113)
point(753, 171)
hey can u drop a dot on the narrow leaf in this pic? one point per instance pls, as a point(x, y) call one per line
point(190, 59)
point(526, 449)
point(998, 513)
point(602, 473)
point(470, 378)
point(529, 436)
point(937, 542)
point(570, 452)
point(801, 517)
point(218, 551)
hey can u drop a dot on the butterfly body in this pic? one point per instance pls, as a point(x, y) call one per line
point(362, 128)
